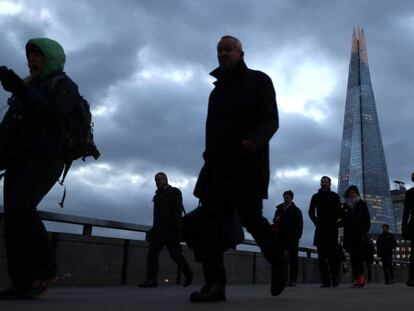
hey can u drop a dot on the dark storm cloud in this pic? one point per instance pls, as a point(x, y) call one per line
point(144, 67)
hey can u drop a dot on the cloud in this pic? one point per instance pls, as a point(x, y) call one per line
point(144, 67)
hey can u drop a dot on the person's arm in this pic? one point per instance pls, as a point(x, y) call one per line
point(268, 113)
point(312, 211)
point(299, 221)
point(366, 219)
point(407, 210)
point(176, 208)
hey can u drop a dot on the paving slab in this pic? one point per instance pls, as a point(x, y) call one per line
point(309, 297)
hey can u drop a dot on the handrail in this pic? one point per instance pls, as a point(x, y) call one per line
point(88, 223)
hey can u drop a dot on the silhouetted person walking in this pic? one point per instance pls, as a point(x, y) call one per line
point(408, 228)
point(289, 226)
point(166, 231)
point(324, 211)
point(242, 117)
point(34, 142)
point(385, 244)
point(356, 222)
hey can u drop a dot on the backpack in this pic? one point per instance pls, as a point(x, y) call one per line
point(79, 132)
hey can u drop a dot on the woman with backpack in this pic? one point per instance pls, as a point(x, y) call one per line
point(33, 139)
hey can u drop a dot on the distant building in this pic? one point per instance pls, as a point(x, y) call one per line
point(362, 160)
point(397, 198)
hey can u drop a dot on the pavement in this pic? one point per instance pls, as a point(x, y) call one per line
point(303, 297)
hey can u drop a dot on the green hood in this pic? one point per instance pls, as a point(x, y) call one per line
point(54, 53)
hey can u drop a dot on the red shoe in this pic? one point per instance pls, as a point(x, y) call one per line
point(361, 281)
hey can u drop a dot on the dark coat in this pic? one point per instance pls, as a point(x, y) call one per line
point(385, 244)
point(168, 208)
point(408, 215)
point(324, 211)
point(36, 121)
point(241, 106)
point(356, 222)
point(290, 224)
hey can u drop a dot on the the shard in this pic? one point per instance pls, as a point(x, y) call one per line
point(362, 161)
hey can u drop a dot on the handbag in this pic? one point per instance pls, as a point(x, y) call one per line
point(232, 230)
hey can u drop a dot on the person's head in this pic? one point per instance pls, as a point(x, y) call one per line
point(288, 196)
point(385, 228)
point(412, 176)
point(325, 183)
point(352, 192)
point(161, 180)
point(229, 52)
point(44, 56)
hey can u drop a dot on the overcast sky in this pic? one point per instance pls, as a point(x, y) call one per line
point(144, 67)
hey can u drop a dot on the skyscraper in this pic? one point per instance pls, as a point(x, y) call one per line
point(362, 161)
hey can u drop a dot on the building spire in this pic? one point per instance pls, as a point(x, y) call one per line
point(363, 55)
point(354, 48)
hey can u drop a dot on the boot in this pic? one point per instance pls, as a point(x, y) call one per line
point(209, 294)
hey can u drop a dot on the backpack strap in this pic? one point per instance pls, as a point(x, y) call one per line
point(65, 172)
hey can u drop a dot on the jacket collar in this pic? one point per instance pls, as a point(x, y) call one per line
point(220, 75)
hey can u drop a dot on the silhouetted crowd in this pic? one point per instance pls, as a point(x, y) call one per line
point(48, 125)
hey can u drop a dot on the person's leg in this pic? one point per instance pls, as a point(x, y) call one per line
point(410, 281)
point(154, 249)
point(29, 254)
point(293, 263)
point(323, 266)
point(386, 269)
point(334, 264)
point(174, 248)
point(251, 216)
point(357, 266)
point(209, 250)
point(354, 265)
point(391, 267)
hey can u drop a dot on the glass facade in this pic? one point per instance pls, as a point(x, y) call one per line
point(362, 160)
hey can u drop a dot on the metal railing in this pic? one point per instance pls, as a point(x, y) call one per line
point(88, 223)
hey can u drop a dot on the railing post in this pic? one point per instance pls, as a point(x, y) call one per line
point(254, 268)
point(125, 262)
point(87, 230)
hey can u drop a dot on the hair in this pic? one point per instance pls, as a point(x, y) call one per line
point(329, 178)
point(386, 226)
point(412, 176)
point(238, 42)
point(289, 192)
point(162, 174)
point(350, 188)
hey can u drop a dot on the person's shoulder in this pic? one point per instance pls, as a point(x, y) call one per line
point(61, 81)
point(257, 74)
point(279, 206)
point(174, 190)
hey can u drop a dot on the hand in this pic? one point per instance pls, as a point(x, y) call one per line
point(3, 70)
point(11, 82)
point(249, 144)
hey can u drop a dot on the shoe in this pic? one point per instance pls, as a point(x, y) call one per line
point(335, 281)
point(39, 288)
point(209, 294)
point(291, 284)
point(360, 282)
point(410, 283)
point(148, 283)
point(279, 275)
point(188, 280)
point(11, 294)
point(325, 285)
